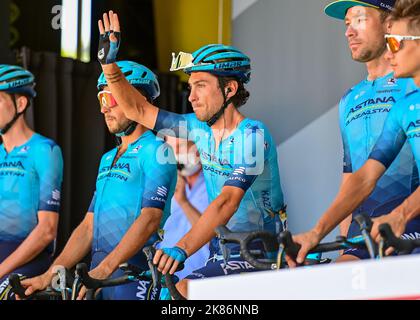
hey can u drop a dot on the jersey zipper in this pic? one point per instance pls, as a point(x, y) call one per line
point(99, 200)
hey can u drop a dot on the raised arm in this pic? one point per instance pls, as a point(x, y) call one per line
point(132, 102)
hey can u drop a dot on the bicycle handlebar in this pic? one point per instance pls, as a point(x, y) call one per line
point(94, 284)
point(364, 241)
point(292, 248)
point(156, 275)
point(283, 242)
point(365, 225)
point(286, 245)
point(244, 238)
point(18, 289)
point(132, 273)
point(400, 245)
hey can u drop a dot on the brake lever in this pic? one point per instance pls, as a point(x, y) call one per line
point(63, 283)
point(365, 225)
point(149, 253)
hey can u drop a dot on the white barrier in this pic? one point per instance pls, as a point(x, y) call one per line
point(390, 278)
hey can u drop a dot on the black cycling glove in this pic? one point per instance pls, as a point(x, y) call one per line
point(107, 49)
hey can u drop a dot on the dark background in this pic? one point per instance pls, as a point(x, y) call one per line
point(66, 108)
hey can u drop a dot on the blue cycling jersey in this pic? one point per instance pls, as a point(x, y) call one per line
point(30, 181)
point(363, 111)
point(136, 181)
point(402, 124)
point(247, 159)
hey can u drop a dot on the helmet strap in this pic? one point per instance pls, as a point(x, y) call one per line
point(7, 127)
point(219, 113)
point(127, 131)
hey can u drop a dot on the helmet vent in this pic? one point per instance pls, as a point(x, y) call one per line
point(128, 73)
point(9, 71)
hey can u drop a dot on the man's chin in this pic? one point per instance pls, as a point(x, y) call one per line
point(201, 117)
point(112, 130)
point(362, 56)
point(359, 58)
point(401, 74)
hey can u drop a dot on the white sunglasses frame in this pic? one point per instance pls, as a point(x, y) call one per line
point(400, 38)
point(186, 59)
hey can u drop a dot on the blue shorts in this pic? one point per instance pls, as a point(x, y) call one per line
point(411, 232)
point(37, 266)
point(137, 290)
point(218, 267)
point(416, 251)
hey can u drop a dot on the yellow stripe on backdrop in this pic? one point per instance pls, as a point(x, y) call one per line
point(186, 25)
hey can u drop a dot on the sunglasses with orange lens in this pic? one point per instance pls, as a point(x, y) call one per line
point(395, 42)
point(106, 100)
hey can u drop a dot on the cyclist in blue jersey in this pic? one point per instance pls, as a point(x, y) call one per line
point(238, 154)
point(132, 198)
point(363, 110)
point(400, 131)
point(31, 171)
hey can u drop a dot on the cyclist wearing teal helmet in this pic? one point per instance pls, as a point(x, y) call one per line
point(238, 154)
point(224, 62)
point(16, 81)
point(131, 202)
point(31, 171)
point(141, 78)
point(369, 187)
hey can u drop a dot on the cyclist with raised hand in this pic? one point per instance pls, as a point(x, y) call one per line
point(238, 154)
point(31, 171)
point(399, 132)
point(131, 201)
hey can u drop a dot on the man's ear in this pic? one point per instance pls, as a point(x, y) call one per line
point(387, 25)
point(21, 103)
point(231, 89)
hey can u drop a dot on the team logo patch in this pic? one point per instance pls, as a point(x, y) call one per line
point(414, 107)
point(392, 82)
point(136, 149)
point(25, 149)
point(359, 95)
point(162, 191)
point(239, 171)
point(56, 195)
point(101, 54)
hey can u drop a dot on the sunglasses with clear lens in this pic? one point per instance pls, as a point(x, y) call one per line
point(106, 100)
point(395, 42)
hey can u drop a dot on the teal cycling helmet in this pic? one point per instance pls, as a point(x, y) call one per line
point(138, 76)
point(15, 79)
point(221, 60)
